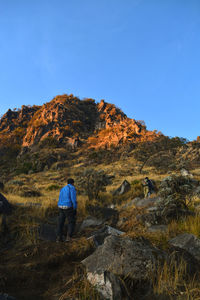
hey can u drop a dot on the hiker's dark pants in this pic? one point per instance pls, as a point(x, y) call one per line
point(70, 214)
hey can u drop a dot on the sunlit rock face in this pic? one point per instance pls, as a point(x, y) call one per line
point(68, 120)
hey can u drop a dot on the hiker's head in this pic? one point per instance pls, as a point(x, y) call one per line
point(70, 181)
point(147, 178)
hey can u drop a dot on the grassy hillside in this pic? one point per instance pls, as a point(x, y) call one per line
point(33, 268)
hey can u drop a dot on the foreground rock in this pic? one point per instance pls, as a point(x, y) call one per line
point(124, 188)
point(100, 235)
point(188, 242)
point(122, 258)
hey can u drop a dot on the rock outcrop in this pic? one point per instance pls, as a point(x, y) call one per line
point(68, 120)
point(123, 188)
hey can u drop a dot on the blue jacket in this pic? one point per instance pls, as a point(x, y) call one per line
point(67, 196)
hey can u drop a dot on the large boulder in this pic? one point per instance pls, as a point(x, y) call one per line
point(124, 188)
point(188, 242)
point(124, 258)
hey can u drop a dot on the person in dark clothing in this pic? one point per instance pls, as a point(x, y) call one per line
point(67, 205)
point(5, 210)
point(148, 187)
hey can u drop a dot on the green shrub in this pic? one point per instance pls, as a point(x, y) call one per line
point(93, 182)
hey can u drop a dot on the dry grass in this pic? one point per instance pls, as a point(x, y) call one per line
point(170, 279)
point(78, 287)
point(190, 225)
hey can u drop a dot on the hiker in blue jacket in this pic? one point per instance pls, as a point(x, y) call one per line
point(67, 205)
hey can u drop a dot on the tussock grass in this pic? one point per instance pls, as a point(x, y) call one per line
point(171, 280)
point(190, 225)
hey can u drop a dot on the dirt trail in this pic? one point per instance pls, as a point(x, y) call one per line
point(38, 271)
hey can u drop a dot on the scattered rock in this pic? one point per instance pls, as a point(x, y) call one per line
point(186, 173)
point(124, 188)
point(106, 214)
point(157, 228)
point(132, 202)
point(146, 201)
point(100, 235)
point(90, 222)
point(150, 219)
point(188, 242)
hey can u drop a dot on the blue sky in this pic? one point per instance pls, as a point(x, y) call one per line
point(141, 55)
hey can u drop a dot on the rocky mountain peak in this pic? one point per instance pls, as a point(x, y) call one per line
point(66, 118)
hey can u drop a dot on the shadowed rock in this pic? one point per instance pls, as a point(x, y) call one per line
point(188, 242)
point(90, 222)
point(105, 214)
point(157, 228)
point(100, 235)
point(124, 188)
point(178, 256)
